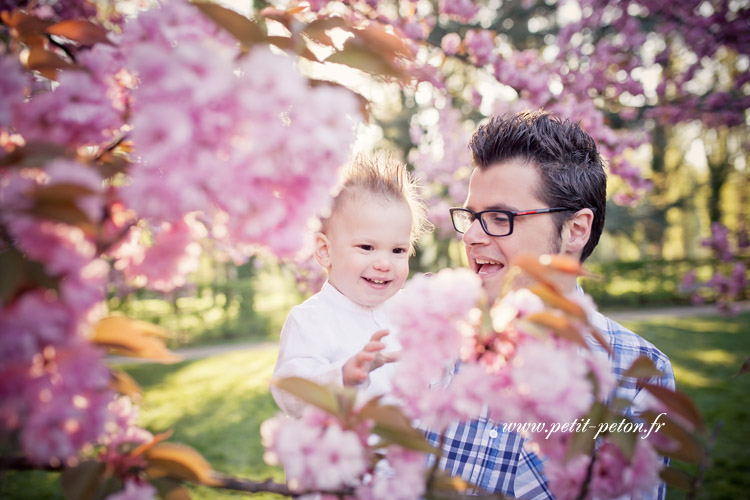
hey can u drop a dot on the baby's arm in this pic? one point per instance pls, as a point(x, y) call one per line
point(303, 353)
point(357, 368)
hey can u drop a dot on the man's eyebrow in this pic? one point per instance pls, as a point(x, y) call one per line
point(497, 206)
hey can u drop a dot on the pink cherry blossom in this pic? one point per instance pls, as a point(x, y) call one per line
point(316, 452)
point(450, 43)
point(463, 10)
point(135, 490)
point(480, 45)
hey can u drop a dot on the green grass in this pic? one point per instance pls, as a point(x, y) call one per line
point(217, 405)
point(706, 352)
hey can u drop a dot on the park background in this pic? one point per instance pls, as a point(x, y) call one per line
point(691, 171)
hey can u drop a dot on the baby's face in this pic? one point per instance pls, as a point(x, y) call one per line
point(369, 248)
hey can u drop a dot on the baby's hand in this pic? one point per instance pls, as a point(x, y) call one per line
point(357, 368)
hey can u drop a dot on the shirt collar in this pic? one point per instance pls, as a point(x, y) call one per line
point(342, 301)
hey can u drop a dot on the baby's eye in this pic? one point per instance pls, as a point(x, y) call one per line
point(399, 250)
point(366, 248)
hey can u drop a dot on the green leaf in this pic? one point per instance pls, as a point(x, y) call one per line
point(582, 443)
point(643, 367)
point(35, 154)
point(310, 392)
point(20, 274)
point(625, 441)
point(678, 402)
point(677, 478)
point(393, 426)
point(243, 29)
point(88, 481)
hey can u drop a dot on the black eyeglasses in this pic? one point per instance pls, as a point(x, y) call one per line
point(493, 222)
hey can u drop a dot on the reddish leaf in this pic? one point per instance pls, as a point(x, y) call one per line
point(367, 60)
point(560, 325)
point(377, 37)
point(553, 298)
point(285, 17)
point(142, 448)
point(643, 367)
point(678, 402)
point(131, 337)
point(684, 446)
point(316, 30)
point(125, 384)
point(745, 368)
point(24, 25)
point(80, 31)
point(45, 62)
point(180, 462)
point(563, 264)
point(243, 29)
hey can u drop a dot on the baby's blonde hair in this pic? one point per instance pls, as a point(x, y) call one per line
point(386, 178)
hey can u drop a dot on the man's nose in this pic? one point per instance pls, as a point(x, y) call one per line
point(475, 235)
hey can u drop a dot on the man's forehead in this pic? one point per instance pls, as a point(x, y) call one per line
point(507, 186)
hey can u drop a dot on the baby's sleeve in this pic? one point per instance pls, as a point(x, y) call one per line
point(304, 351)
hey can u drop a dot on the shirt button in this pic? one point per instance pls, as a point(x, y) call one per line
point(493, 433)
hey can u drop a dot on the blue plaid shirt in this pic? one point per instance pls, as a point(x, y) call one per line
point(482, 454)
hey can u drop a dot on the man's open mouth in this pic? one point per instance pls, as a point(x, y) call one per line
point(485, 266)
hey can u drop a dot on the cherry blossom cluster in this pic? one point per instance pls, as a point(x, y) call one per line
point(451, 359)
point(729, 281)
point(441, 160)
point(320, 452)
point(258, 168)
point(54, 387)
point(239, 144)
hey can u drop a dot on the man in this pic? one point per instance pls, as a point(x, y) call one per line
point(538, 187)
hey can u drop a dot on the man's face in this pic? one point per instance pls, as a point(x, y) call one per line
point(368, 245)
point(506, 186)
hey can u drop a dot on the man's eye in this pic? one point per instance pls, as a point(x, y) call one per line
point(367, 248)
point(500, 219)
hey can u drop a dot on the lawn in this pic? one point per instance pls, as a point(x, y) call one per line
point(217, 404)
point(706, 352)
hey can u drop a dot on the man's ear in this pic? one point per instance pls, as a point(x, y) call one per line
point(576, 232)
point(322, 250)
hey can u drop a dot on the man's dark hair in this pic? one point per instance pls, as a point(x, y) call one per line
point(571, 170)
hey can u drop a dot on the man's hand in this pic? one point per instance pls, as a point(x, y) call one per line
point(357, 368)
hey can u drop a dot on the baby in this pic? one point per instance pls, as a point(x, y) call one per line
point(340, 335)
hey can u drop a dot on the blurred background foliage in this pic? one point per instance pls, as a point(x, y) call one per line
point(697, 162)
